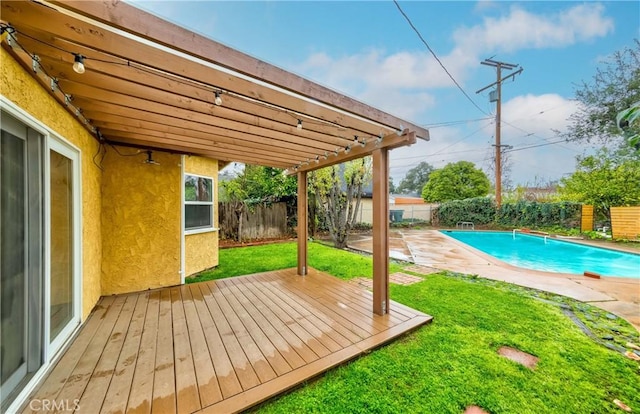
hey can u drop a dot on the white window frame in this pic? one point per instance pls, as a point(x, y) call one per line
point(186, 203)
point(51, 351)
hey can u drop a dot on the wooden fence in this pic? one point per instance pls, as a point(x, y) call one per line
point(259, 222)
point(625, 223)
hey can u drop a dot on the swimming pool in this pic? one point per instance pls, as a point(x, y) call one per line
point(550, 255)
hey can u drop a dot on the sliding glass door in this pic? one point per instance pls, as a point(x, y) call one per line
point(21, 255)
point(39, 252)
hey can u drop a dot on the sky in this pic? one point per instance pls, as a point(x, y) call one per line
point(368, 50)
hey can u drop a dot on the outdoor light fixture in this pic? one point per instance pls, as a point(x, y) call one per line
point(379, 139)
point(299, 125)
point(218, 100)
point(78, 63)
point(347, 149)
point(150, 159)
point(317, 159)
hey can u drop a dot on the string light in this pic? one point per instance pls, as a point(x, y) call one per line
point(317, 159)
point(79, 67)
point(78, 63)
point(35, 62)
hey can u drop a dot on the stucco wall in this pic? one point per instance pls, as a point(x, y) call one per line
point(19, 87)
point(201, 250)
point(140, 221)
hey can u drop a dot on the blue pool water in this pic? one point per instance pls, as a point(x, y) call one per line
point(533, 252)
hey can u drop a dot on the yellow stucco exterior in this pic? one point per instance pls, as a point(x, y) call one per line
point(131, 211)
point(23, 90)
point(141, 223)
point(201, 250)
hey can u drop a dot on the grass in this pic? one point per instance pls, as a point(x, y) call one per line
point(255, 259)
point(452, 363)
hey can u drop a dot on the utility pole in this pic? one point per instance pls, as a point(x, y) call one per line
point(498, 99)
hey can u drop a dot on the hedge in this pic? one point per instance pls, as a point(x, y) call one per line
point(482, 211)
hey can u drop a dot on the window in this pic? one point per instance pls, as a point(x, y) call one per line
point(198, 203)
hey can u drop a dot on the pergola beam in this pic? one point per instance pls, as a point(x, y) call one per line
point(358, 151)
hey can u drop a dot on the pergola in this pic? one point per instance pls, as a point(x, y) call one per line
point(152, 84)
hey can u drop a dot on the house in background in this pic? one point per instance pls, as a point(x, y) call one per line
point(114, 126)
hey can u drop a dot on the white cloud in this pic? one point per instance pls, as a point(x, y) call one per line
point(523, 30)
point(402, 82)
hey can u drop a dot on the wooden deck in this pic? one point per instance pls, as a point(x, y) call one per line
point(220, 346)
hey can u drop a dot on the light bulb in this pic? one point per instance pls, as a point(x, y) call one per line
point(347, 149)
point(78, 63)
point(218, 100)
point(299, 125)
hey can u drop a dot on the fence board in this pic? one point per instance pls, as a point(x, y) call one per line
point(259, 222)
point(625, 223)
point(586, 224)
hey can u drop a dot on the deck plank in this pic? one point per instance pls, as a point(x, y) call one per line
point(226, 375)
point(187, 396)
point(273, 356)
point(80, 376)
point(117, 395)
point(263, 370)
point(208, 386)
point(309, 319)
point(302, 328)
point(57, 378)
point(105, 368)
point(142, 384)
point(164, 397)
point(257, 298)
point(241, 364)
point(328, 316)
point(284, 348)
point(305, 291)
point(218, 346)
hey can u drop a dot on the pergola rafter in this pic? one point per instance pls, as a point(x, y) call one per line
point(152, 84)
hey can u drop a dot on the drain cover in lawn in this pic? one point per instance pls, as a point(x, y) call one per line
point(518, 356)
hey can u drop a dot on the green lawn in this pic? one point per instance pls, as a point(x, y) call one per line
point(246, 260)
point(452, 363)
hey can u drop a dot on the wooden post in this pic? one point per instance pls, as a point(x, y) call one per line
point(303, 223)
point(381, 231)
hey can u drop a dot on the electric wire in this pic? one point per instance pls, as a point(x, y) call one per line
point(437, 58)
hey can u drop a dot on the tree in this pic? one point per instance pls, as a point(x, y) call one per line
point(256, 185)
point(338, 195)
point(614, 88)
point(415, 179)
point(604, 180)
point(456, 181)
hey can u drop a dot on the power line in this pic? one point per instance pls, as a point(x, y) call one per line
point(436, 57)
point(450, 123)
point(537, 145)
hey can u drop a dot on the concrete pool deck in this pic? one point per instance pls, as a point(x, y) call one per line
point(620, 296)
